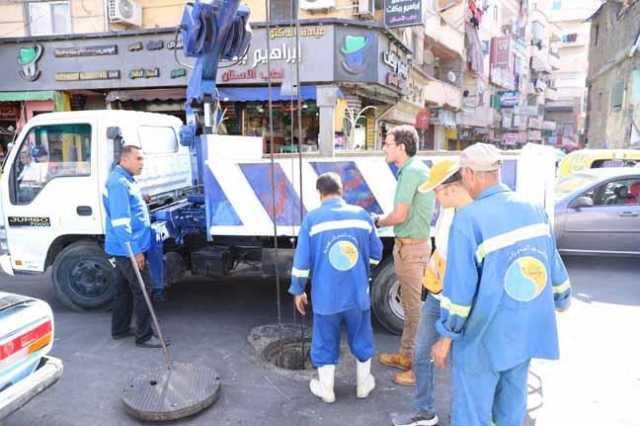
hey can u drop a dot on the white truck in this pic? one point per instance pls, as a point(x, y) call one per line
point(209, 221)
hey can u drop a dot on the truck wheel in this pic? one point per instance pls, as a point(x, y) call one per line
point(82, 277)
point(385, 297)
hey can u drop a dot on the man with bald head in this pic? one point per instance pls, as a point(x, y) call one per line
point(503, 281)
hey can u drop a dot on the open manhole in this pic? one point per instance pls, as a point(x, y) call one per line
point(289, 353)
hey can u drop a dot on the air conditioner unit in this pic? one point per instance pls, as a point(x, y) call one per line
point(317, 4)
point(366, 8)
point(124, 12)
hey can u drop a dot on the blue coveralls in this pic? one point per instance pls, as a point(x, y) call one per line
point(504, 279)
point(337, 245)
point(127, 221)
point(127, 215)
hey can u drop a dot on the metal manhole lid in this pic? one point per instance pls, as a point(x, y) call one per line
point(163, 395)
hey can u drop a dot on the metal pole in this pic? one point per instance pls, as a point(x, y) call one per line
point(167, 355)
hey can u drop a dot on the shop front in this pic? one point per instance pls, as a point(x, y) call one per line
point(146, 70)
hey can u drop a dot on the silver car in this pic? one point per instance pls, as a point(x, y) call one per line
point(598, 212)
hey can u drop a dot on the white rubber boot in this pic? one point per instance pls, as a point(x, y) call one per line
point(322, 387)
point(366, 381)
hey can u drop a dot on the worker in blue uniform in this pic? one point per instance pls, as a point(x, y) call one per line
point(337, 245)
point(503, 281)
point(128, 223)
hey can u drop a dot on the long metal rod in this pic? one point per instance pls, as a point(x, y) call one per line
point(299, 96)
point(273, 162)
point(165, 349)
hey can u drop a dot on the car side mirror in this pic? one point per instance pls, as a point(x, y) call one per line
point(582, 202)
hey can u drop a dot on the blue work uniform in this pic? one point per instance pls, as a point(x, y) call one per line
point(337, 245)
point(503, 281)
point(127, 214)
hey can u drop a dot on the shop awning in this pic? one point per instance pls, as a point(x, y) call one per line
point(39, 95)
point(247, 94)
point(175, 94)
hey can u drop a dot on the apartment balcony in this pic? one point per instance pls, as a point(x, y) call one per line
point(551, 94)
point(540, 60)
point(441, 36)
point(554, 61)
point(441, 94)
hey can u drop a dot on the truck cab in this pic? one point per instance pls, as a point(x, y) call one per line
point(51, 187)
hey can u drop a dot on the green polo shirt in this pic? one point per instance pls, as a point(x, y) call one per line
point(410, 176)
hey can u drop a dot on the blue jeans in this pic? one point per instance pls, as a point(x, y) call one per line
point(426, 337)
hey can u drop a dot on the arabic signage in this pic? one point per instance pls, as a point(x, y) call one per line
point(327, 53)
point(314, 57)
point(509, 99)
point(502, 63)
point(74, 52)
point(402, 13)
point(9, 111)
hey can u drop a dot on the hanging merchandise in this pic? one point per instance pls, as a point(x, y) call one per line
point(476, 14)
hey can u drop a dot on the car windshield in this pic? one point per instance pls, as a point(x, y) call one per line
point(568, 184)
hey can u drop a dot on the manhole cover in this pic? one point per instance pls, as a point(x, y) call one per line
point(290, 354)
point(166, 395)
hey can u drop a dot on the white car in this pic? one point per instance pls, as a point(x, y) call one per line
point(26, 337)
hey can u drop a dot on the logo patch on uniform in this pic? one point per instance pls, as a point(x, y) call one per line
point(525, 278)
point(343, 255)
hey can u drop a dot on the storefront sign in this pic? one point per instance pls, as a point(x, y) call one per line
point(155, 45)
point(535, 122)
point(501, 72)
point(290, 32)
point(514, 138)
point(422, 118)
point(136, 47)
point(171, 45)
point(93, 75)
point(535, 135)
point(402, 13)
point(509, 99)
point(28, 60)
point(144, 73)
point(9, 111)
point(392, 79)
point(74, 52)
point(393, 61)
point(414, 93)
point(526, 110)
point(279, 53)
point(178, 72)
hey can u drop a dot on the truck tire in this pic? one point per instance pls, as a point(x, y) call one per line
point(385, 297)
point(82, 277)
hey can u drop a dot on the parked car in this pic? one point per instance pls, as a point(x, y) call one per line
point(598, 212)
point(585, 159)
point(26, 337)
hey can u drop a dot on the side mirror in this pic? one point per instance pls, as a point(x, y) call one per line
point(114, 132)
point(582, 202)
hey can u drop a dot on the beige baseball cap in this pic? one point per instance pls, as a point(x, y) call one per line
point(481, 157)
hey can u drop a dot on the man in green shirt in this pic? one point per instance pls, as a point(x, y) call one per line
point(411, 219)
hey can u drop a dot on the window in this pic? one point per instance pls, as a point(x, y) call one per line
point(557, 5)
point(283, 10)
point(624, 192)
point(49, 18)
point(48, 152)
point(158, 140)
point(617, 96)
point(596, 32)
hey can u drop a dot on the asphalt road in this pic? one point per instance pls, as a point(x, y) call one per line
point(596, 382)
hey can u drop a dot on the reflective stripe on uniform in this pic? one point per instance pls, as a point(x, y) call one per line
point(459, 310)
point(339, 224)
point(510, 238)
point(561, 288)
point(300, 273)
point(373, 261)
point(124, 221)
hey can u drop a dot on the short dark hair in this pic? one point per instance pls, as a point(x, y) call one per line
point(407, 136)
point(329, 184)
point(128, 149)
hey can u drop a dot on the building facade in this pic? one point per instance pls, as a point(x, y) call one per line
point(613, 116)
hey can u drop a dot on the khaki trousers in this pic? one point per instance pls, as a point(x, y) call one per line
point(410, 259)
